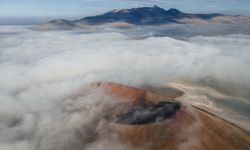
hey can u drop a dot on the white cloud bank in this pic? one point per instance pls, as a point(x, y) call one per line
point(39, 70)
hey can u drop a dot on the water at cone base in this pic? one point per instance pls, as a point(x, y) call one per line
point(146, 120)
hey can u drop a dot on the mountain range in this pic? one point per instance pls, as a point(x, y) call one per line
point(141, 16)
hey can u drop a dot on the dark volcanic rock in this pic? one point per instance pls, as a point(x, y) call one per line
point(148, 113)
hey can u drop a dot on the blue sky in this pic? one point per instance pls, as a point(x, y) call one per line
point(80, 8)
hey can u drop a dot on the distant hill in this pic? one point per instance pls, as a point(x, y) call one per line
point(144, 16)
point(140, 16)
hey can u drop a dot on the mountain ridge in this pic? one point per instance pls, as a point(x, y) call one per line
point(143, 16)
point(138, 16)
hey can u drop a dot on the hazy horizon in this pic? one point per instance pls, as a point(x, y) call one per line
point(31, 12)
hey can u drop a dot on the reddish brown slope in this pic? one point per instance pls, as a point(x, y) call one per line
point(189, 128)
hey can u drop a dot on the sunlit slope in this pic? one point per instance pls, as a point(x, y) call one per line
point(187, 128)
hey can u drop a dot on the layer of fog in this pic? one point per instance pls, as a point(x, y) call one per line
point(40, 70)
point(181, 31)
point(186, 29)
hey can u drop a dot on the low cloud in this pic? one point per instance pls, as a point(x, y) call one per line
point(39, 71)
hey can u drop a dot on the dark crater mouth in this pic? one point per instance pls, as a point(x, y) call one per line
point(147, 113)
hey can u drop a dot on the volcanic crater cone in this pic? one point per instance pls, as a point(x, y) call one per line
point(146, 119)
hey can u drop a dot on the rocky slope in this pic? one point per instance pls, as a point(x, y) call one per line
point(126, 18)
point(185, 127)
